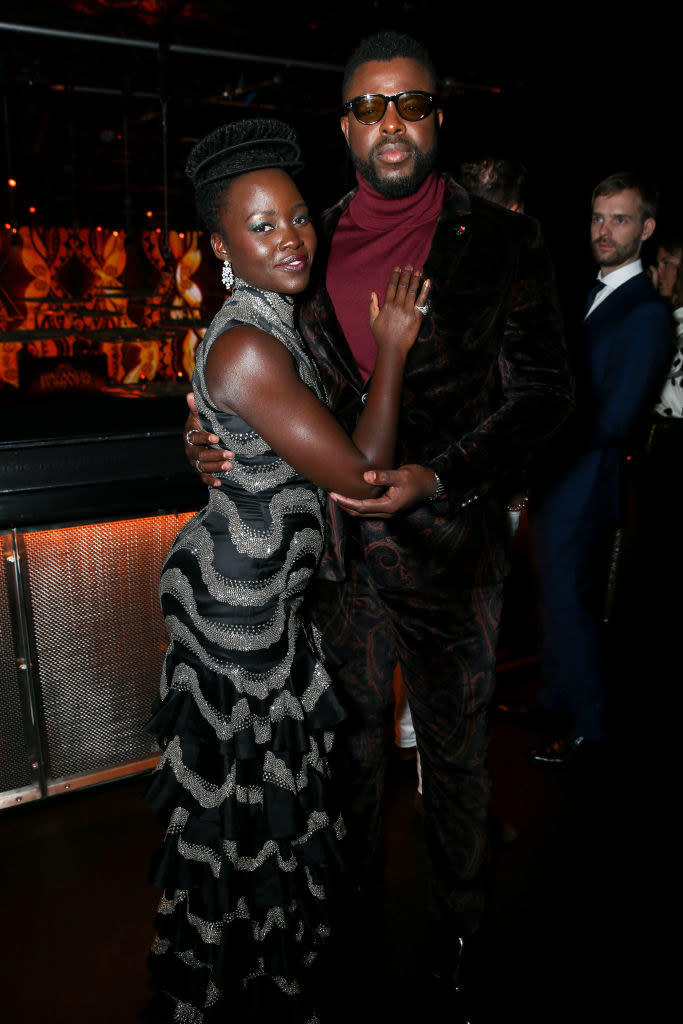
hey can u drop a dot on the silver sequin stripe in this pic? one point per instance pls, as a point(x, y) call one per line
point(205, 793)
point(211, 932)
point(185, 679)
point(241, 716)
point(290, 988)
point(253, 684)
point(249, 636)
point(185, 1013)
point(257, 478)
point(262, 543)
point(241, 592)
point(317, 820)
point(248, 540)
point(208, 794)
point(207, 855)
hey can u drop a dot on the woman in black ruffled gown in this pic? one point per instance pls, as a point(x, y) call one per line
point(246, 714)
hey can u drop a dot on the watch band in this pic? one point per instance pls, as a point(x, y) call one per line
point(440, 489)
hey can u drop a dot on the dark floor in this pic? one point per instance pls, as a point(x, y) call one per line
point(570, 932)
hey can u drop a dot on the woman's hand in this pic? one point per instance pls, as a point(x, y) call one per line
point(397, 323)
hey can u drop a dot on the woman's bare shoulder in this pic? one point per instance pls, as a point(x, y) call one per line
point(241, 357)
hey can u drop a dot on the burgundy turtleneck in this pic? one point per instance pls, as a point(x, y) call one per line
point(374, 235)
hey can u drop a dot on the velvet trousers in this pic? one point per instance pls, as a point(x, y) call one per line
point(444, 639)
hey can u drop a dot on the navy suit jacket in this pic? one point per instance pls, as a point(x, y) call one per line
point(620, 368)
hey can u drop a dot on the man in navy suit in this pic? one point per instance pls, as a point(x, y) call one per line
point(625, 352)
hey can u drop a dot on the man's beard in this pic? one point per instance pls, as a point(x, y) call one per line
point(397, 185)
point(619, 254)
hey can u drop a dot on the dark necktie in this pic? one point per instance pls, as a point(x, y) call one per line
point(597, 287)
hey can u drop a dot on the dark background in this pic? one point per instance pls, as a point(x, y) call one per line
point(97, 132)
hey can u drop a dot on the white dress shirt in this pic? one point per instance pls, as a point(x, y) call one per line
point(615, 280)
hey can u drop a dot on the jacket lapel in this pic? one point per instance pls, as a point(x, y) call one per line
point(452, 234)
point(336, 347)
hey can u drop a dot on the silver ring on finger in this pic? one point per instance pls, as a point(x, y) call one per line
point(196, 464)
point(422, 309)
point(188, 437)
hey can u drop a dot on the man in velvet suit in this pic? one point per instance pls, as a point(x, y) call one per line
point(416, 575)
point(626, 350)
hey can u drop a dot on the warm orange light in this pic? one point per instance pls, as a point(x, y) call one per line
point(149, 214)
point(98, 228)
point(115, 234)
point(181, 234)
point(8, 225)
point(12, 182)
point(158, 231)
point(31, 209)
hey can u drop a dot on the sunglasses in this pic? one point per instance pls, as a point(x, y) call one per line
point(411, 106)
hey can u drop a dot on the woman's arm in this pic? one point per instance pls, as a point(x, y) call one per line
point(250, 373)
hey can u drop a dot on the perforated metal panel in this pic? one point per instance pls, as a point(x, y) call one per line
point(15, 756)
point(99, 637)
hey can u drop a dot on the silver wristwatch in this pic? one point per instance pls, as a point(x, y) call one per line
point(440, 489)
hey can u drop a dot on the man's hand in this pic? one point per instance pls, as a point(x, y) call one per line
point(406, 486)
point(205, 460)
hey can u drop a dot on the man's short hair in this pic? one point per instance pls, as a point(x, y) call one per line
point(387, 45)
point(649, 195)
point(497, 179)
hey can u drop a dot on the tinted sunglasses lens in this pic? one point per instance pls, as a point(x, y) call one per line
point(369, 109)
point(413, 106)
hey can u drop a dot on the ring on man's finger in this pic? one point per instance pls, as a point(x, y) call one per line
point(196, 464)
point(422, 309)
point(188, 437)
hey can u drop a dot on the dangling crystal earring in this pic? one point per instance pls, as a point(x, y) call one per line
point(227, 275)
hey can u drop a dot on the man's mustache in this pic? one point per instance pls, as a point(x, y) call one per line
point(393, 144)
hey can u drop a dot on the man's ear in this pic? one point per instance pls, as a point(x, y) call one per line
point(648, 227)
point(219, 247)
point(439, 116)
point(344, 123)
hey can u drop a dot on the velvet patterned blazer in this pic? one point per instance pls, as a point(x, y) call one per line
point(486, 386)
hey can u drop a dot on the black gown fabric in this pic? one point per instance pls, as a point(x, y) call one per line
point(246, 718)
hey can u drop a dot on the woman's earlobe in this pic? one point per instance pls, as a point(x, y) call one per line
point(219, 247)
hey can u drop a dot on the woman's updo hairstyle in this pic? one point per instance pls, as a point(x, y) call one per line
point(235, 149)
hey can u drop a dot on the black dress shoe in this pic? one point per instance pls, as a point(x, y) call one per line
point(560, 751)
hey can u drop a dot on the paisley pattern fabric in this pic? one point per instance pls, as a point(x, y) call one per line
point(246, 718)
